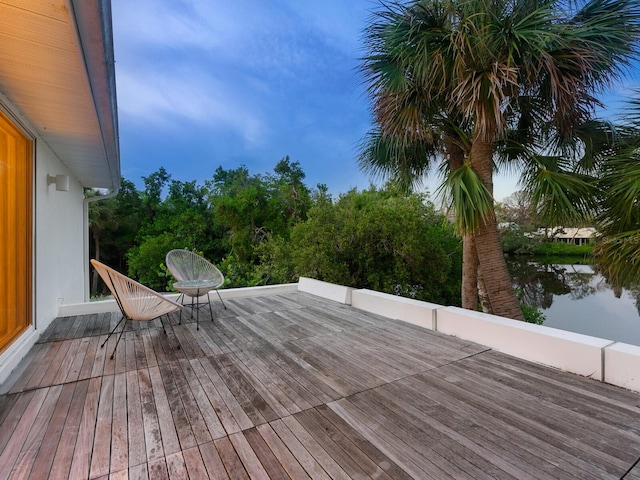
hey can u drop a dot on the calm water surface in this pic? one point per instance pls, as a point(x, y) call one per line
point(575, 298)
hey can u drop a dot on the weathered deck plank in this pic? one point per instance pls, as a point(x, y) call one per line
point(81, 461)
point(64, 454)
point(293, 386)
point(102, 438)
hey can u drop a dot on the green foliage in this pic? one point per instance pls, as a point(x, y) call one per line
point(147, 261)
point(113, 228)
point(238, 273)
point(532, 314)
point(519, 241)
point(564, 197)
point(373, 239)
point(268, 229)
point(182, 219)
point(617, 252)
point(255, 207)
point(618, 257)
point(564, 249)
point(230, 218)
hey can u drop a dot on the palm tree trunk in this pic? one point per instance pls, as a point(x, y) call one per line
point(482, 293)
point(502, 298)
point(469, 273)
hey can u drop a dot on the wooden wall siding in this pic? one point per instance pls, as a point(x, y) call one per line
point(293, 386)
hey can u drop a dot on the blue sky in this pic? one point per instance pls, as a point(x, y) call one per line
point(208, 83)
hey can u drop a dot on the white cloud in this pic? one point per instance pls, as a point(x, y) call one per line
point(151, 23)
point(169, 99)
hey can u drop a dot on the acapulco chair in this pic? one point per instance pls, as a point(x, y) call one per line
point(196, 277)
point(136, 302)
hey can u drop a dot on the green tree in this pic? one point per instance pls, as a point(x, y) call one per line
point(176, 215)
point(113, 227)
point(239, 201)
point(375, 239)
point(102, 218)
point(507, 77)
point(152, 195)
point(253, 209)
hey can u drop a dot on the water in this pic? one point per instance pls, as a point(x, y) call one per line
point(577, 299)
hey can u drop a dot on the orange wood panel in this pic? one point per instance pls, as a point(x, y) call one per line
point(16, 180)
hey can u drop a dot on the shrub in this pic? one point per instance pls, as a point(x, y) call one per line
point(564, 249)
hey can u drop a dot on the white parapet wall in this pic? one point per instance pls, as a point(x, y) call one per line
point(622, 365)
point(568, 351)
point(330, 291)
point(400, 308)
point(102, 306)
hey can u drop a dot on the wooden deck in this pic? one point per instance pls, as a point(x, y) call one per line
point(293, 386)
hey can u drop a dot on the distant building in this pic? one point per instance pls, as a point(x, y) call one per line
point(577, 236)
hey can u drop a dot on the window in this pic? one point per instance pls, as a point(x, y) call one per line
point(16, 180)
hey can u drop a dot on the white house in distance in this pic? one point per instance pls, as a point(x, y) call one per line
point(576, 236)
point(58, 134)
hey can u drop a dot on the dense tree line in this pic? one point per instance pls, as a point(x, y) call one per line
point(272, 228)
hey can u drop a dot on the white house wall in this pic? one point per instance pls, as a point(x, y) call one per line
point(59, 238)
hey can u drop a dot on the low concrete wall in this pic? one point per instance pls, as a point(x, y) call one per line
point(400, 308)
point(330, 291)
point(102, 306)
point(622, 365)
point(572, 352)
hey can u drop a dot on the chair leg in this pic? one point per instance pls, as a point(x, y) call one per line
point(180, 299)
point(225, 307)
point(114, 329)
point(197, 313)
point(118, 341)
point(210, 310)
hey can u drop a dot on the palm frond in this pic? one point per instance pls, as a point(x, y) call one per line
point(561, 196)
point(620, 187)
point(389, 158)
point(618, 257)
point(468, 198)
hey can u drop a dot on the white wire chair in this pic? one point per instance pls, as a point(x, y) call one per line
point(136, 302)
point(196, 277)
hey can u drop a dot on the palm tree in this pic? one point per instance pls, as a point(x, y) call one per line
point(509, 77)
point(618, 250)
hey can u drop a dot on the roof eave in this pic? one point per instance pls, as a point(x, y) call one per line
point(95, 32)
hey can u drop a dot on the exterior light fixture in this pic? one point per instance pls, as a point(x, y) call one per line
point(61, 181)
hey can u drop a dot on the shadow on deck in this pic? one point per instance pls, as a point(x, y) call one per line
point(293, 386)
